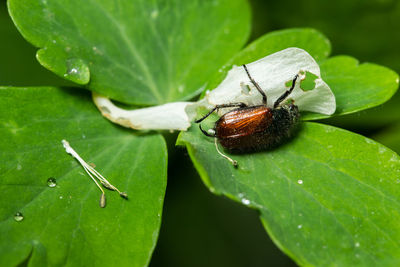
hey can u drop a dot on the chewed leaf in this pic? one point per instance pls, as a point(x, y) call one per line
point(271, 73)
point(308, 83)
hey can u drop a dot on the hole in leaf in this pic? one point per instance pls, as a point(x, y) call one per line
point(308, 83)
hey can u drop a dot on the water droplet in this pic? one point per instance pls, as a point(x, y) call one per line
point(61, 197)
point(357, 245)
point(299, 226)
point(19, 167)
point(245, 201)
point(51, 182)
point(398, 181)
point(18, 217)
point(300, 181)
point(181, 88)
point(77, 71)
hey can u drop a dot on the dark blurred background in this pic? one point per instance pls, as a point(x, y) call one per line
point(199, 228)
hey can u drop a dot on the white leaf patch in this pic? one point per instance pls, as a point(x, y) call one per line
point(171, 116)
point(273, 73)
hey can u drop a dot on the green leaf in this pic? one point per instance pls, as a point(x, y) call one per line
point(138, 52)
point(357, 86)
point(64, 225)
point(18, 65)
point(371, 119)
point(327, 197)
point(390, 137)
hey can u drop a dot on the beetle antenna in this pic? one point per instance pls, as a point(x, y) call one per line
point(234, 162)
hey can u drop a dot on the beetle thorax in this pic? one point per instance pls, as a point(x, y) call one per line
point(285, 118)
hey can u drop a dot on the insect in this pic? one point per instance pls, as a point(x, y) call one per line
point(254, 128)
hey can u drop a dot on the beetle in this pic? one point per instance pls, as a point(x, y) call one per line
point(253, 128)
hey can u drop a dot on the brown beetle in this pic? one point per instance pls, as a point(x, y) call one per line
point(253, 128)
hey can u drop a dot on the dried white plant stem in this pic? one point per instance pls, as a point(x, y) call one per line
point(93, 174)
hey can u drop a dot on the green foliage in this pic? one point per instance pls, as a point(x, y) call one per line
point(64, 225)
point(390, 137)
point(317, 196)
point(151, 52)
point(18, 65)
point(325, 197)
point(358, 86)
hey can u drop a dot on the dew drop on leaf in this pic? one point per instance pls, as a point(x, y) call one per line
point(245, 201)
point(18, 217)
point(77, 71)
point(51, 182)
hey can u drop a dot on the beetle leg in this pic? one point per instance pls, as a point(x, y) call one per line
point(240, 105)
point(286, 93)
point(206, 133)
point(264, 96)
